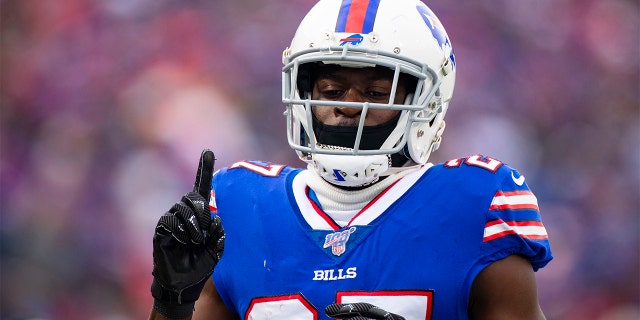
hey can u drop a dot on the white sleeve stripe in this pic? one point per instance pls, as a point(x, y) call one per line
point(515, 200)
point(534, 231)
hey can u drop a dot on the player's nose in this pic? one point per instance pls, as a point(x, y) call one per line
point(353, 95)
point(350, 95)
point(348, 112)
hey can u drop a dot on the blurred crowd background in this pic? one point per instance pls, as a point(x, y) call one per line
point(106, 105)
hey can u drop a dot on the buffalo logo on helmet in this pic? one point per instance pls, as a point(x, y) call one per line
point(353, 40)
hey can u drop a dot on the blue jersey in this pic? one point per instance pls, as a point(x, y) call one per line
point(415, 250)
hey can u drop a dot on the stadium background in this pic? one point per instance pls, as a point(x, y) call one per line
point(105, 106)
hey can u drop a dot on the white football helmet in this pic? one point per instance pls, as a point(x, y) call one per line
point(402, 35)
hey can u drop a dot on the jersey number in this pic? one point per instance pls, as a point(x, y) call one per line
point(267, 170)
point(488, 163)
point(411, 304)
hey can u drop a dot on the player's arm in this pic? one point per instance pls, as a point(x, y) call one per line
point(211, 306)
point(506, 289)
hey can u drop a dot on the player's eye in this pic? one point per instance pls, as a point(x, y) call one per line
point(332, 93)
point(378, 95)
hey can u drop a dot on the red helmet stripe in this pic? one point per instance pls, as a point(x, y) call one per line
point(357, 16)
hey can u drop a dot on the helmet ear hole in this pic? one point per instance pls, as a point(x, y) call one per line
point(432, 122)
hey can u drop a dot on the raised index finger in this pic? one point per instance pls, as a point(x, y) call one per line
point(205, 174)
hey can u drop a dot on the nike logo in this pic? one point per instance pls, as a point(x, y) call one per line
point(519, 181)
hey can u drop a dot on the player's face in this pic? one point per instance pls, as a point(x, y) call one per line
point(355, 85)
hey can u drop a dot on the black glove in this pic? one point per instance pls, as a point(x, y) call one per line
point(359, 311)
point(187, 245)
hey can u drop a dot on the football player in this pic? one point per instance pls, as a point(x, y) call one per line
point(369, 229)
